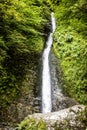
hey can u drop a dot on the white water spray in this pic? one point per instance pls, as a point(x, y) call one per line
point(46, 83)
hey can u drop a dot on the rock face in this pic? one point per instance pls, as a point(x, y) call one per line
point(59, 100)
point(66, 119)
point(27, 101)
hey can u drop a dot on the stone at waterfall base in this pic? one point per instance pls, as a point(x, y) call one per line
point(67, 119)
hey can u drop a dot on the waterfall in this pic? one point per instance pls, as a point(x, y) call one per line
point(46, 79)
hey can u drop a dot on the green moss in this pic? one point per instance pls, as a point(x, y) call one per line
point(31, 124)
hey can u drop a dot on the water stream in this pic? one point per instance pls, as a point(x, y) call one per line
point(53, 98)
point(46, 79)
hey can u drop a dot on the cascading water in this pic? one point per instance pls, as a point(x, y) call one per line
point(46, 83)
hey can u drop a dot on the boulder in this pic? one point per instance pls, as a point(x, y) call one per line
point(66, 119)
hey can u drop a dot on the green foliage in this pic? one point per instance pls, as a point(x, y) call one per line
point(32, 124)
point(22, 31)
point(70, 45)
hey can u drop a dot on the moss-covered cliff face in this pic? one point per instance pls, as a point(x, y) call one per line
point(70, 46)
point(24, 25)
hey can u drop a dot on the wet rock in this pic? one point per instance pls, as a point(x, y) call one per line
point(62, 102)
point(59, 100)
point(37, 109)
point(37, 101)
point(63, 119)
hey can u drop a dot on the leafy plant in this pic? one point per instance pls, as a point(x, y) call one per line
point(22, 32)
point(70, 43)
point(32, 124)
